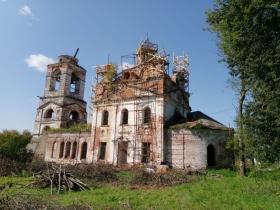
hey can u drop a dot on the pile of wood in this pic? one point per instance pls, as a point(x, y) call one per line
point(58, 178)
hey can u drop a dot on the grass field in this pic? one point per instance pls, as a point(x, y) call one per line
point(219, 189)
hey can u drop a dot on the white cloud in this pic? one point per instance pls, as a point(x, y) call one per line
point(38, 61)
point(25, 11)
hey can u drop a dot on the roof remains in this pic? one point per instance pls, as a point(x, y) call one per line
point(197, 120)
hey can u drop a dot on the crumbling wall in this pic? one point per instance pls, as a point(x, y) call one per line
point(187, 148)
point(134, 133)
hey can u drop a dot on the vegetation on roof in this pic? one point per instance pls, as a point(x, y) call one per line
point(187, 126)
point(200, 124)
point(81, 127)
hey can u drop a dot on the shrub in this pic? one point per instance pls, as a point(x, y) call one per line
point(22, 202)
point(10, 167)
point(13, 145)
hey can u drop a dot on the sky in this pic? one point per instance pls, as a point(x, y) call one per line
point(34, 32)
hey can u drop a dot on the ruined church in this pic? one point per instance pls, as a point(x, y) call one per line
point(140, 115)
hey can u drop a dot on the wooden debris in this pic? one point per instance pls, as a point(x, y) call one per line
point(56, 177)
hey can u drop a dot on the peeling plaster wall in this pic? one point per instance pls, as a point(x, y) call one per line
point(115, 131)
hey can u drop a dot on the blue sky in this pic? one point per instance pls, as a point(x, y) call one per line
point(35, 32)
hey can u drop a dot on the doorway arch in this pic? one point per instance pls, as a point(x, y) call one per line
point(211, 156)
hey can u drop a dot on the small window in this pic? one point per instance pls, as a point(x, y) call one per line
point(124, 120)
point(145, 152)
point(105, 116)
point(61, 151)
point(74, 150)
point(84, 151)
point(147, 115)
point(102, 151)
point(68, 150)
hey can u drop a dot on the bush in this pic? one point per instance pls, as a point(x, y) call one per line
point(10, 167)
point(13, 145)
point(22, 202)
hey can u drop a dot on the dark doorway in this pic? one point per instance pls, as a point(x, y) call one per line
point(211, 156)
point(122, 153)
point(145, 152)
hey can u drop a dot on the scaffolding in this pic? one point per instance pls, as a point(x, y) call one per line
point(181, 69)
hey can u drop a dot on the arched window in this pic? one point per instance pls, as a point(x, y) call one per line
point(49, 114)
point(75, 83)
point(211, 156)
point(54, 150)
point(61, 150)
point(74, 115)
point(147, 115)
point(124, 120)
point(74, 150)
point(55, 81)
point(67, 149)
point(105, 116)
point(84, 151)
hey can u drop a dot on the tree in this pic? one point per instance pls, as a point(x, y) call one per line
point(13, 145)
point(249, 38)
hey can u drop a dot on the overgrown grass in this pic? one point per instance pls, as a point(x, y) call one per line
point(81, 127)
point(218, 189)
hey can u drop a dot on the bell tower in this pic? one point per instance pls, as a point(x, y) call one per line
point(62, 104)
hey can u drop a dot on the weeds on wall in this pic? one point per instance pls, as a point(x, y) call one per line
point(80, 127)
